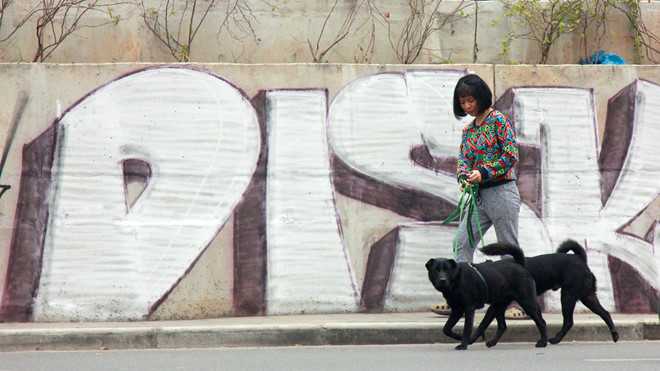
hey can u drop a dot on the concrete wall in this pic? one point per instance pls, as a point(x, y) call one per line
point(283, 30)
point(139, 191)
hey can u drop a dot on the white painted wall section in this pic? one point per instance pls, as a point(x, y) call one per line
point(308, 264)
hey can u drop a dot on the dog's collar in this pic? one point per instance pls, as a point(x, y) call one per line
point(482, 279)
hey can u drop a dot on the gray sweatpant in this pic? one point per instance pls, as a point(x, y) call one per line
point(499, 207)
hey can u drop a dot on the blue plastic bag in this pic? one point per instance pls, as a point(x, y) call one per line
point(600, 57)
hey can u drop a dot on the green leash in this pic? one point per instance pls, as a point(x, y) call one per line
point(468, 200)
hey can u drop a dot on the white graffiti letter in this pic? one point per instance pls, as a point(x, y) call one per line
point(308, 269)
point(199, 136)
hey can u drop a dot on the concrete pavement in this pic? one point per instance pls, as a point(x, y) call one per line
point(306, 330)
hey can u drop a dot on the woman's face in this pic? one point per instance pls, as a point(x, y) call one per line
point(470, 105)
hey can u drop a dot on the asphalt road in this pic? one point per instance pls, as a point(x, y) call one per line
point(631, 355)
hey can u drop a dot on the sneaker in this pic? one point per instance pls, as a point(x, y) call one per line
point(441, 309)
point(515, 313)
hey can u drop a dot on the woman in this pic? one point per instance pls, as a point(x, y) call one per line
point(487, 157)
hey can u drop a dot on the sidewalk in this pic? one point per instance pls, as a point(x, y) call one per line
point(306, 330)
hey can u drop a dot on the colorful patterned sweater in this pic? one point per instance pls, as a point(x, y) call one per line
point(490, 148)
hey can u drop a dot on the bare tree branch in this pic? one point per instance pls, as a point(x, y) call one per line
point(347, 24)
point(177, 23)
point(364, 49)
point(59, 19)
point(237, 20)
point(418, 26)
point(176, 29)
point(3, 8)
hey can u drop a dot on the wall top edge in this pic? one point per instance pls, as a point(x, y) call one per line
point(359, 65)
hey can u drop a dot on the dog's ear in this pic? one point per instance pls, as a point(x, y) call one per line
point(455, 269)
point(429, 264)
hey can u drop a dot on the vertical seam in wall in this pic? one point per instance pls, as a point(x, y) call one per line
point(496, 94)
point(476, 29)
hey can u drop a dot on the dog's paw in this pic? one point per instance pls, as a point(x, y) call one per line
point(461, 347)
point(491, 343)
point(541, 344)
point(555, 340)
point(615, 336)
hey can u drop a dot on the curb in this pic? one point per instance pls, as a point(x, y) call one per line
point(179, 335)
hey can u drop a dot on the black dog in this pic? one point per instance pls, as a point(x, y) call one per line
point(467, 287)
point(571, 273)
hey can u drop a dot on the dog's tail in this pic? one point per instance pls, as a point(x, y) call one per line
point(570, 245)
point(505, 249)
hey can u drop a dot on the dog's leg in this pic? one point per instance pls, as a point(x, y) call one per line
point(454, 317)
point(568, 301)
point(485, 322)
point(501, 324)
point(591, 302)
point(467, 328)
point(531, 307)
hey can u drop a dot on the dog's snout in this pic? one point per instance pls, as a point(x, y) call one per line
point(442, 281)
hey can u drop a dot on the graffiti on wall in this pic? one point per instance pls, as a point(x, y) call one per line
point(126, 191)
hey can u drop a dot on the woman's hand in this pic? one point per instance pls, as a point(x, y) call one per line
point(474, 177)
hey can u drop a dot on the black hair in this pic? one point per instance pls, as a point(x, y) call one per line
point(472, 85)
